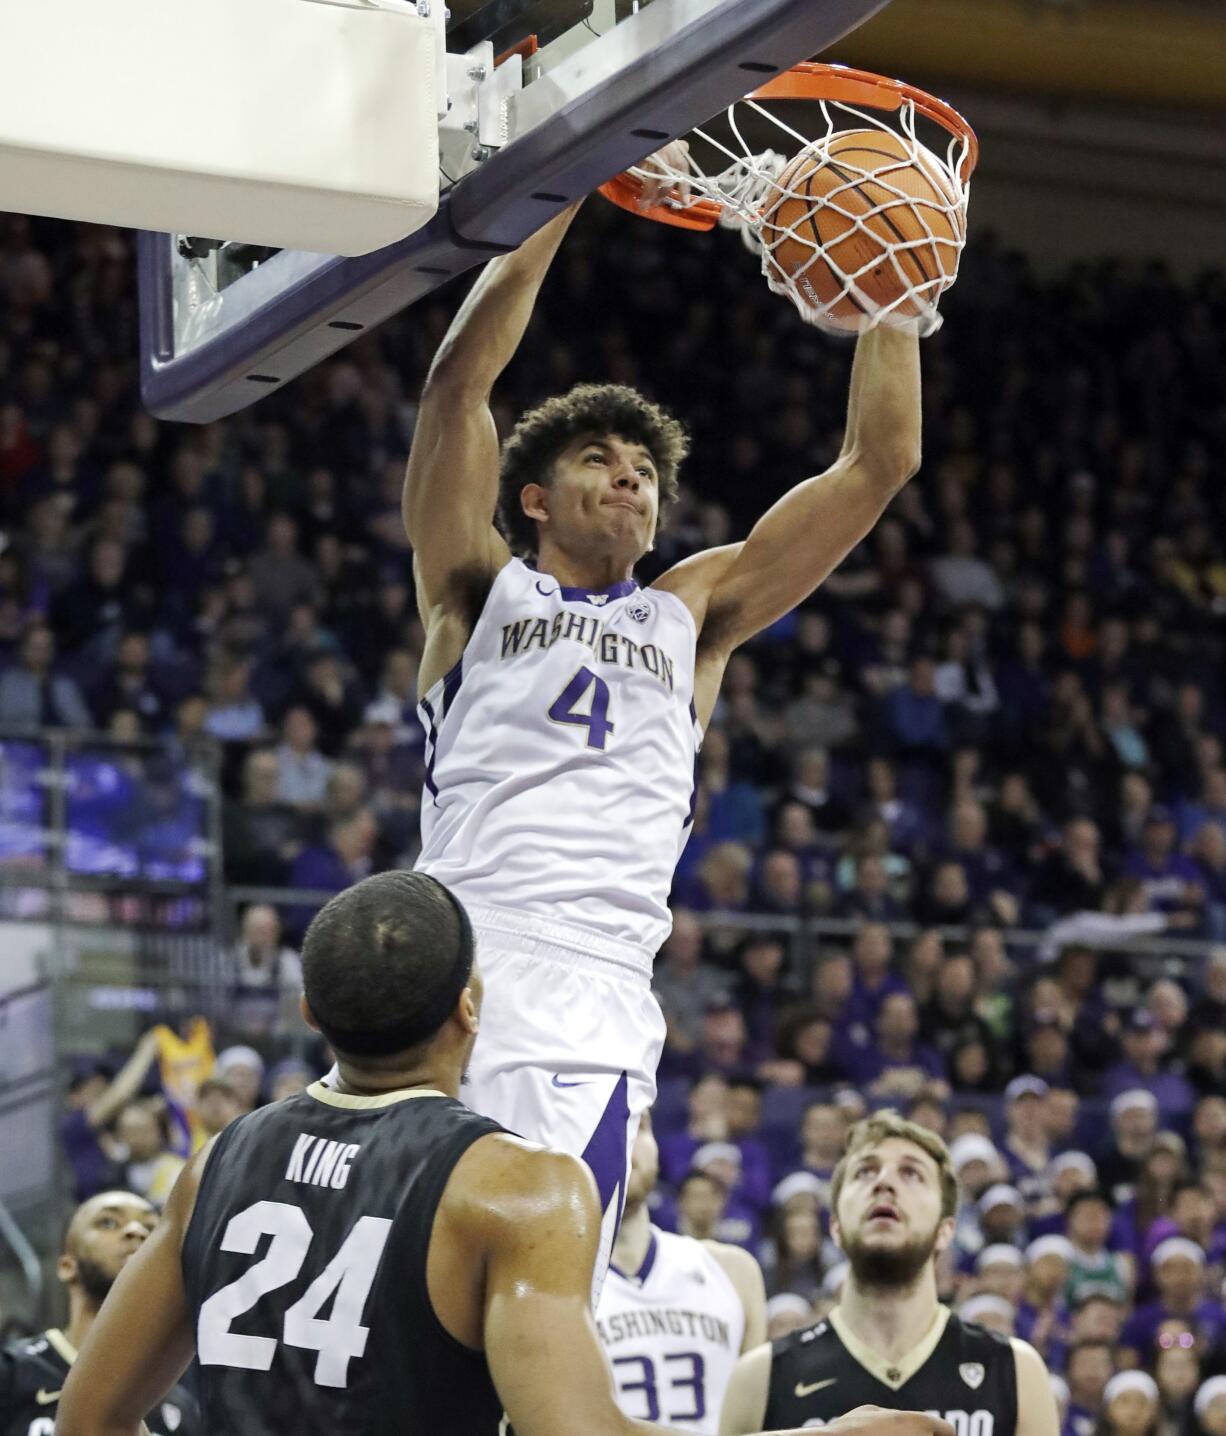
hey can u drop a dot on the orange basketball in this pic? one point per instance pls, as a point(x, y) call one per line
point(844, 168)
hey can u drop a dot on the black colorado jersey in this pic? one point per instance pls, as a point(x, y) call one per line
point(305, 1266)
point(960, 1371)
point(32, 1375)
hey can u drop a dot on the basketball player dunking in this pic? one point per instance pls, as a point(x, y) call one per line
point(889, 1341)
point(675, 1313)
point(371, 1257)
point(564, 706)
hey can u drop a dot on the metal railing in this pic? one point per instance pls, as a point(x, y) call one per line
point(92, 830)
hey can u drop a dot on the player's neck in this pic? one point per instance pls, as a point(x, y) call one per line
point(81, 1315)
point(594, 571)
point(633, 1240)
point(891, 1321)
point(367, 1082)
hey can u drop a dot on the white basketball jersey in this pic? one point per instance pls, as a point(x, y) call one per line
point(673, 1333)
point(560, 755)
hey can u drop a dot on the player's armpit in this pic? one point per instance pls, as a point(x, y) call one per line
point(1037, 1414)
point(142, 1339)
point(744, 1407)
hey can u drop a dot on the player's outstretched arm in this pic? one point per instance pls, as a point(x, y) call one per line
point(143, 1338)
point(451, 487)
point(738, 591)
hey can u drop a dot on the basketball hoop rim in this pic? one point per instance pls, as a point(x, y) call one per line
point(811, 80)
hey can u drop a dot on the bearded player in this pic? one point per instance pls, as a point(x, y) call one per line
point(675, 1313)
point(889, 1341)
point(564, 706)
point(103, 1236)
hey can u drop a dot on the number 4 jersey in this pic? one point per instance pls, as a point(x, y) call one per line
point(560, 755)
point(305, 1266)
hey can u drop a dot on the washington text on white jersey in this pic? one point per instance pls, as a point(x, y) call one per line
point(560, 756)
point(673, 1333)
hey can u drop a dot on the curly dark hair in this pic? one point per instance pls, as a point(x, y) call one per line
point(542, 433)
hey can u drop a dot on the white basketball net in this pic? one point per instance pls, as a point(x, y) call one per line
point(748, 191)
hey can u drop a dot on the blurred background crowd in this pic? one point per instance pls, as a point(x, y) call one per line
point(986, 758)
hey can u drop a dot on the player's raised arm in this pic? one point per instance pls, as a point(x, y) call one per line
point(451, 487)
point(736, 592)
point(143, 1336)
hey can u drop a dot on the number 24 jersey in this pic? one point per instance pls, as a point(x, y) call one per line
point(560, 755)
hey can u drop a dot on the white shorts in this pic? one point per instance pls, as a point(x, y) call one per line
point(570, 1039)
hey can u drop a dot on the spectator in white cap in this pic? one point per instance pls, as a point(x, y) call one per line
point(1087, 1224)
point(1000, 1271)
point(1178, 1270)
point(792, 1259)
point(1042, 1313)
point(1002, 1215)
point(994, 1312)
point(1071, 1172)
point(978, 1165)
point(1131, 1405)
point(243, 1069)
point(787, 1313)
point(1134, 1123)
point(1209, 1406)
point(739, 1223)
point(1026, 1148)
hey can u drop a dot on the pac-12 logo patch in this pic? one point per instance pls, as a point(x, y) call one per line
point(639, 609)
point(972, 1373)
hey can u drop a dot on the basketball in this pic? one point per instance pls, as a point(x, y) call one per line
point(843, 171)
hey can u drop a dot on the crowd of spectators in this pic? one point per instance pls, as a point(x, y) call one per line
point(1004, 711)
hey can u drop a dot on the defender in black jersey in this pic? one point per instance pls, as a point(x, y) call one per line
point(889, 1342)
point(103, 1234)
point(371, 1257)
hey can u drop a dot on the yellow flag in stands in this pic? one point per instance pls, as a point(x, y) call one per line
point(185, 1061)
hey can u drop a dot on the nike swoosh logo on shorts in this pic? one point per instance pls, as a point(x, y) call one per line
point(804, 1388)
point(557, 1082)
point(45, 1398)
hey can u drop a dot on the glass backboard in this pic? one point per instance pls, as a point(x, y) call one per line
point(579, 90)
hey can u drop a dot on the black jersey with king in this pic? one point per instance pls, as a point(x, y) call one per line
point(305, 1266)
point(959, 1371)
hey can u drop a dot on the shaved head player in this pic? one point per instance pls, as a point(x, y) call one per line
point(372, 1257)
point(105, 1233)
point(564, 705)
